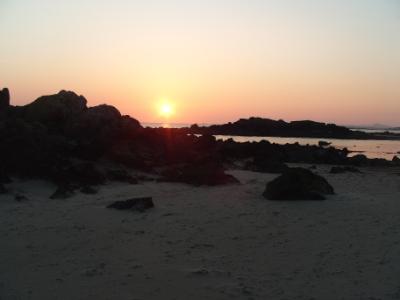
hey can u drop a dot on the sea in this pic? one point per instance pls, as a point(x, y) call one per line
point(386, 149)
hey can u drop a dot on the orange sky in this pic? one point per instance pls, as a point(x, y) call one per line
point(217, 61)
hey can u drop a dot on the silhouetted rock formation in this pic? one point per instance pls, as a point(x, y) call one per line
point(298, 184)
point(267, 127)
point(40, 138)
point(293, 153)
point(4, 99)
point(59, 138)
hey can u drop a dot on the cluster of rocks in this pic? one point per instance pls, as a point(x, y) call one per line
point(267, 127)
point(61, 139)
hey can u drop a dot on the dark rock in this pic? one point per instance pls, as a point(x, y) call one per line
point(139, 204)
point(267, 165)
point(88, 190)
point(129, 127)
point(298, 184)
point(121, 175)
point(206, 142)
point(358, 160)
point(267, 127)
point(4, 99)
point(46, 139)
point(63, 192)
point(338, 170)
point(379, 162)
point(396, 159)
point(100, 121)
point(199, 173)
point(19, 198)
point(56, 109)
point(323, 143)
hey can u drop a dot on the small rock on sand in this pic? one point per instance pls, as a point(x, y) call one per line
point(139, 204)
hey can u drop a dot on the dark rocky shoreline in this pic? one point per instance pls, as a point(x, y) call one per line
point(60, 139)
point(272, 128)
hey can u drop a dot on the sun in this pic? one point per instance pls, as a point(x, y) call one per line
point(166, 109)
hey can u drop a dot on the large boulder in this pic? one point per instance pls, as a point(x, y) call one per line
point(298, 184)
point(55, 110)
point(129, 126)
point(98, 123)
point(4, 99)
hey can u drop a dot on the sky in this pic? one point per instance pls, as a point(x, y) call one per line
point(213, 60)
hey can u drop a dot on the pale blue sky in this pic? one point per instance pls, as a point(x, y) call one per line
point(336, 61)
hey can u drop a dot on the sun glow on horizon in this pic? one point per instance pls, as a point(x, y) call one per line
point(166, 109)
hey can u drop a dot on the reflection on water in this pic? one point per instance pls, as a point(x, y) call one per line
point(370, 148)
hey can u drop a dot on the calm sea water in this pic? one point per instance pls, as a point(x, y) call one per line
point(370, 148)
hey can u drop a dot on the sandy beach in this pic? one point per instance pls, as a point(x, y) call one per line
point(224, 242)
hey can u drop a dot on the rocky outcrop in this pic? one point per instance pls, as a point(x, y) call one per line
point(4, 99)
point(42, 138)
point(59, 138)
point(267, 127)
point(298, 184)
point(55, 110)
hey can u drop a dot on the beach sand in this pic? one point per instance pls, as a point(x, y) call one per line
point(224, 242)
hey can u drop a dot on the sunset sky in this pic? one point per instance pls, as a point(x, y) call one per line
point(213, 60)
